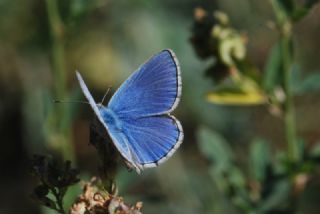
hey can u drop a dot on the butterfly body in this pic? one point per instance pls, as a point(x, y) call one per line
point(110, 118)
point(138, 117)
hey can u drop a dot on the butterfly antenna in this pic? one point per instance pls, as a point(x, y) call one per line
point(62, 101)
point(105, 95)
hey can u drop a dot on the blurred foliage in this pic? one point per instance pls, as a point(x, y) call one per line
point(275, 179)
point(214, 37)
point(308, 84)
point(272, 184)
point(295, 9)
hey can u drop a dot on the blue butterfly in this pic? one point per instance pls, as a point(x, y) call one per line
point(137, 116)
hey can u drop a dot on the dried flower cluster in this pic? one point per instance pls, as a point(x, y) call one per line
point(95, 201)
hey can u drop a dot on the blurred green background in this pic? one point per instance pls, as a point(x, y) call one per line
point(107, 40)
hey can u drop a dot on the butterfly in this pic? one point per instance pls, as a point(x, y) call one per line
point(137, 117)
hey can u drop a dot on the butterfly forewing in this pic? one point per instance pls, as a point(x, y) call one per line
point(154, 89)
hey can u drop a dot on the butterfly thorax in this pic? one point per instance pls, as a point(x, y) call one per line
point(110, 118)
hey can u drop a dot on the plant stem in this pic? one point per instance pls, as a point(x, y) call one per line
point(285, 27)
point(290, 126)
point(57, 50)
point(59, 200)
point(60, 118)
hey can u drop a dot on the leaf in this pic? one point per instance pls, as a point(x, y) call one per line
point(295, 10)
point(272, 76)
point(236, 177)
point(73, 192)
point(315, 150)
point(310, 84)
point(79, 8)
point(259, 159)
point(299, 13)
point(46, 201)
point(238, 98)
point(287, 6)
point(215, 148)
point(278, 197)
point(301, 10)
point(243, 92)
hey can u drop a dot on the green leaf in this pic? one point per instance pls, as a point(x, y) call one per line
point(70, 197)
point(301, 10)
point(295, 10)
point(287, 5)
point(46, 201)
point(299, 13)
point(278, 197)
point(236, 98)
point(310, 84)
point(236, 177)
point(79, 8)
point(244, 91)
point(215, 148)
point(315, 150)
point(272, 76)
point(259, 159)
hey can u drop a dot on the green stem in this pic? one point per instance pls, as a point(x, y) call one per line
point(60, 118)
point(290, 124)
point(285, 27)
point(59, 200)
point(57, 51)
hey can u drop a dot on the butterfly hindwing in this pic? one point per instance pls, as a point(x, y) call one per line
point(153, 139)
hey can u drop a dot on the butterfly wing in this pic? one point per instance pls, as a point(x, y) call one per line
point(152, 139)
point(143, 104)
point(116, 136)
point(88, 95)
point(154, 89)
